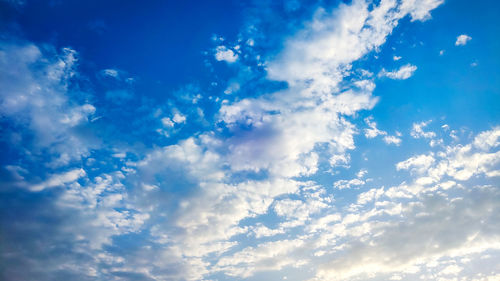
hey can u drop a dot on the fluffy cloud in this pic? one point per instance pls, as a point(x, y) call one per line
point(462, 40)
point(420, 10)
point(222, 53)
point(289, 125)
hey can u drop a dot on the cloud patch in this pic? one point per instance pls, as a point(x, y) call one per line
point(462, 40)
point(403, 73)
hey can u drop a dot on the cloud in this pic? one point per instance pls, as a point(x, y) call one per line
point(373, 132)
point(276, 138)
point(401, 247)
point(313, 63)
point(417, 130)
point(222, 53)
point(420, 10)
point(267, 256)
point(488, 139)
point(407, 246)
point(35, 96)
point(342, 184)
point(460, 162)
point(195, 208)
point(421, 163)
point(110, 72)
point(392, 140)
point(405, 72)
point(380, 237)
point(167, 122)
point(462, 40)
point(59, 180)
point(179, 118)
point(65, 230)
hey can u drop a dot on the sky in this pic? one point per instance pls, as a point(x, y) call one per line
point(250, 140)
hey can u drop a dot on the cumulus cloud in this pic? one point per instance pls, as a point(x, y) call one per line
point(179, 118)
point(462, 40)
point(404, 72)
point(222, 53)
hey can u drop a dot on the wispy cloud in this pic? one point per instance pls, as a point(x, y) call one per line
point(404, 72)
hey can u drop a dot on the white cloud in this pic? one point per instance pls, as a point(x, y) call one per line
point(59, 180)
point(372, 131)
point(392, 140)
point(404, 72)
point(462, 40)
point(417, 130)
point(37, 99)
point(420, 10)
point(179, 118)
point(167, 122)
point(488, 139)
point(263, 231)
point(110, 72)
point(420, 163)
point(267, 256)
point(361, 173)
point(222, 53)
point(343, 184)
point(460, 162)
point(401, 248)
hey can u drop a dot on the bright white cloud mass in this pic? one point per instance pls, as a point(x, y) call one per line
point(462, 40)
point(284, 163)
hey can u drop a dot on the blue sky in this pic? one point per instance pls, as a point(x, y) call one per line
point(249, 140)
